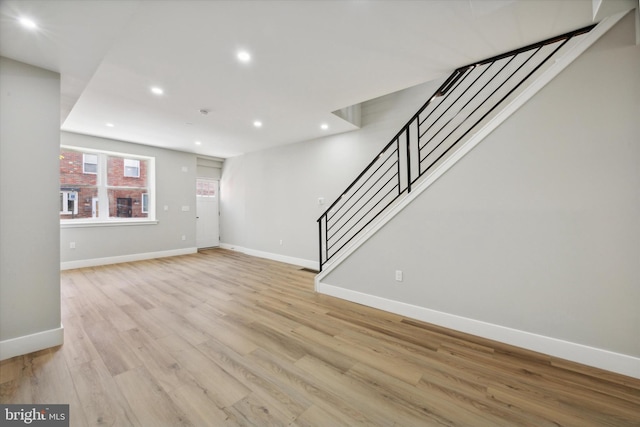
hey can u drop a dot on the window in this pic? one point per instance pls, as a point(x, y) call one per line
point(132, 168)
point(205, 188)
point(89, 163)
point(98, 186)
point(145, 203)
point(68, 203)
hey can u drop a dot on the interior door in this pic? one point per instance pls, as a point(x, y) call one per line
point(207, 213)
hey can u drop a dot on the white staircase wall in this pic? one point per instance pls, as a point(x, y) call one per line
point(533, 237)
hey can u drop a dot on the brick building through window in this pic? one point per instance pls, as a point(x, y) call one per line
point(102, 186)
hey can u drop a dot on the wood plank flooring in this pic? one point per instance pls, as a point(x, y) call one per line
point(219, 338)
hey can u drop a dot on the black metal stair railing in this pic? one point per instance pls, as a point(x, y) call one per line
point(464, 101)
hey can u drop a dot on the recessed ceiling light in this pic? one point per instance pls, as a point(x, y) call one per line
point(109, 125)
point(157, 90)
point(198, 143)
point(324, 126)
point(28, 23)
point(244, 56)
point(257, 124)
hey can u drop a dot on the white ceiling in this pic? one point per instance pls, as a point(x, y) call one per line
point(309, 58)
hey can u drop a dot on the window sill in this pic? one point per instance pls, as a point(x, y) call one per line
point(78, 223)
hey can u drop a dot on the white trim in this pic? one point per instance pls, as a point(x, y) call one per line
point(69, 265)
point(29, 343)
point(595, 6)
point(524, 96)
point(591, 356)
point(275, 257)
point(600, 9)
point(115, 222)
point(638, 23)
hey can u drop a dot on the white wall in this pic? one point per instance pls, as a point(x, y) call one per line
point(538, 228)
point(209, 168)
point(29, 225)
point(175, 188)
point(272, 195)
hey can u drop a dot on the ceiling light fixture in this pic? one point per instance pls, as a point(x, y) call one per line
point(157, 90)
point(198, 143)
point(257, 124)
point(28, 23)
point(324, 126)
point(109, 125)
point(244, 56)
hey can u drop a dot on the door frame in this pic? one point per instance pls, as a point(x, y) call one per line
point(216, 231)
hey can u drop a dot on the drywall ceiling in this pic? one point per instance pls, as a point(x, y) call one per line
point(308, 58)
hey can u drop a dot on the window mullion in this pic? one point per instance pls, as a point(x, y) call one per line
point(103, 194)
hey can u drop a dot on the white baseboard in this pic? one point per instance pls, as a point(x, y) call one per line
point(68, 265)
point(275, 257)
point(603, 359)
point(30, 343)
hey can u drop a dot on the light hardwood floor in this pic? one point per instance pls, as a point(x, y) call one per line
point(223, 339)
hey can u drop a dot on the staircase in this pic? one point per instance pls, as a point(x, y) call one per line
point(472, 102)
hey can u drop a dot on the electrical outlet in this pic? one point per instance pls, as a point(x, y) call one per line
point(72, 245)
point(184, 237)
point(281, 242)
point(398, 275)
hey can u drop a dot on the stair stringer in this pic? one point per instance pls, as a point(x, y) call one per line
point(466, 146)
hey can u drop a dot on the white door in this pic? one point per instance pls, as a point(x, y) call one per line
point(207, 231)
point(94, 207)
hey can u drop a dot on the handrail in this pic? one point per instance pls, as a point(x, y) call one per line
point(468, 96)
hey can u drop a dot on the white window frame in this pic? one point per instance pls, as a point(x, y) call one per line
point(132, 163)
point(144, 203)
point(65, 202)
point(85, 162)
point(103, 218)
